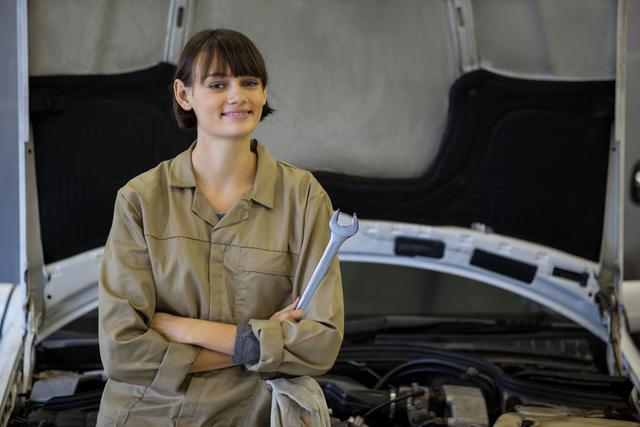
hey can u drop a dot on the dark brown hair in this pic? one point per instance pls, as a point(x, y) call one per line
point(229, 50)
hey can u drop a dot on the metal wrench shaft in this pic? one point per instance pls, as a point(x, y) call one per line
point(338, 235)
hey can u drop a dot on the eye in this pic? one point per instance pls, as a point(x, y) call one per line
point(217, 85)
point(251, 82)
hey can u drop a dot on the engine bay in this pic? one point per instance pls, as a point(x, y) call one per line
point(442, 376)
point(553, 378)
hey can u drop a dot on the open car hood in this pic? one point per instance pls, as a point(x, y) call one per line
point(522, 193)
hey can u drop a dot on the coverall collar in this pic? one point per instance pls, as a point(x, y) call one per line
point(181, 173)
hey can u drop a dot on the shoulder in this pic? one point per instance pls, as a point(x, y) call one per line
point(147, 187)
point(302, 179)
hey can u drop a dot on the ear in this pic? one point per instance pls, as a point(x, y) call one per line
point(264, 100)
point(183, 94)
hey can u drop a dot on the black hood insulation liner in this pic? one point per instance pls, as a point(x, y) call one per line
point(526, 158)
point(91, 135)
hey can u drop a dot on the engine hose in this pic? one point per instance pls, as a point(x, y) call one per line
point(462, 368)
point(389, 402)
point(387, 353)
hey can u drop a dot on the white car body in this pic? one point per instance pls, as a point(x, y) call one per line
point(56, 293)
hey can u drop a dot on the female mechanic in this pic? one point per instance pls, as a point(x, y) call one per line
point(206, 258)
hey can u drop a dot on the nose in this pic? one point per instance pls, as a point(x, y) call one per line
point(235, 94)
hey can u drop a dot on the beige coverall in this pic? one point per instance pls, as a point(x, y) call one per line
point(167, 252)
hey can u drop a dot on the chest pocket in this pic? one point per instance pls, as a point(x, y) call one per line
point(263, 283)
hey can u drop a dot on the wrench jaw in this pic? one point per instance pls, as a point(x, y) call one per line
point(345, 231)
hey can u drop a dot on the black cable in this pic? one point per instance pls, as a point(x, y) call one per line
point(387, 353)
point(389, 402)
point(364, 368)
point(436, 361)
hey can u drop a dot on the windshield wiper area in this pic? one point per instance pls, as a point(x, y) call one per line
point(512, 344)
point(448, 325)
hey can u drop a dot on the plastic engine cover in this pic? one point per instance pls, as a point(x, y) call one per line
point(515, 419)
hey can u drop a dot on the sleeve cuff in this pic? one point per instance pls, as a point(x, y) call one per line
point(247, 347)
point(175, 366)
point(269, 334)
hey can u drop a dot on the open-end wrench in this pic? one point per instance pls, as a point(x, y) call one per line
point(339, 234)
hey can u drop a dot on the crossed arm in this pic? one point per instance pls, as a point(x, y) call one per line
point(141, 346)
point(217, 340)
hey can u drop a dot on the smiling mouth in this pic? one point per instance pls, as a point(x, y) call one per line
point(235, 115)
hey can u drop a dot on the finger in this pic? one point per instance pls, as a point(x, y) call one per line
point(293, 315)
point(289, 319)
point(292, 305)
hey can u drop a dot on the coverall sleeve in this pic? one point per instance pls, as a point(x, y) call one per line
point(310, 346)
point(131, 352)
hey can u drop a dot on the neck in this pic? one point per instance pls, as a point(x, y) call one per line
point(224, 163)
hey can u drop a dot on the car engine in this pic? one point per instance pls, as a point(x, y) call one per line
point(410, 405)
point(555, 381)
point(400, 378)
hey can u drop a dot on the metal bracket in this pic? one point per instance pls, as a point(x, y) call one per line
point(611, 253)
point(36, 273)
point(462, 22)
point(179, 25)
point(36, 276)
point(635, 184)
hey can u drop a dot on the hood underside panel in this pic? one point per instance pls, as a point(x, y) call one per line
point(527, 159)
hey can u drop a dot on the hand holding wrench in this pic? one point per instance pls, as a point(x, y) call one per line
point(338, 235)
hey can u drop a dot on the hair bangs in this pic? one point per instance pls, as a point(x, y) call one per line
point(228, 55)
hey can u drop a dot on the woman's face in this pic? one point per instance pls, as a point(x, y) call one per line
point(227, 107)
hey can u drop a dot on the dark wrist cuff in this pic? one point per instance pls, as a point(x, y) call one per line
point(247, 349)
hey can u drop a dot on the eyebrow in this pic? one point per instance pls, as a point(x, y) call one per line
point(216, 75)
